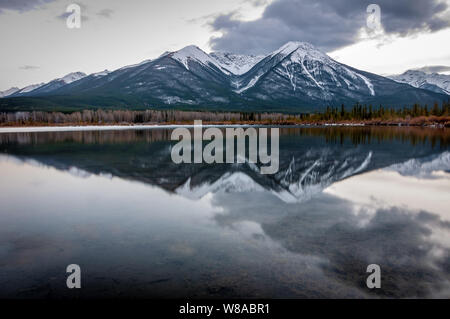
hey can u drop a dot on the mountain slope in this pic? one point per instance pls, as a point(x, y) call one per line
point(27, 89)
point(55, 84)
point(435, 82)
point(9, 92)
point(188, 77)
point(237, 64)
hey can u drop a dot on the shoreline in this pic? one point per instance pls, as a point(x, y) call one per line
point(107, 127)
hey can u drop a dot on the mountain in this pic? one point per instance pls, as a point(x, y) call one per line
point(295, 78)
point(9, 92)
point(32, 89)
point(101, 73)
point(300, 74)
point(191, 54)
point(237, 64)
point(187, 77)
point(435, 82)
point(55, 84)
point(26, 89)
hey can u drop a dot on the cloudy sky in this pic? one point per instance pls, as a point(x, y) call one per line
point(37, 45)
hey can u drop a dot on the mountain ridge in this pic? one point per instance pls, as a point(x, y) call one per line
point(297, 77)
point(435, 82)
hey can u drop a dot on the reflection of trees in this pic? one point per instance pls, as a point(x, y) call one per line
point(375, 134)
point(333, 135)
point(88, 137)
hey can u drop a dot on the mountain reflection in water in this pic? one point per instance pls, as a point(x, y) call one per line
point(141, 226)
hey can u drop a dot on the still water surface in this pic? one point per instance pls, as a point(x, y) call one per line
point(139, 225)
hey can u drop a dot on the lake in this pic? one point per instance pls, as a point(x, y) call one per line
point(140, 226)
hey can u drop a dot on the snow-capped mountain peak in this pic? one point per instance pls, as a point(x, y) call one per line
point(30, 88)
point(291, 46)
point(301, 49)
point(439, 83)
point(303, 65)
point(236, 182)
point(101, 73)
point(237, 64)
point(8, 92)
point(17, 92)
point(194, 53)
point(72, 77)
point(55, 84)
point(134, 65)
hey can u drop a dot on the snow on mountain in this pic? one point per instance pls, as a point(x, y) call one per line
point(27, 89)
point(134, 65)
point(55, 84)
point(250, 84)
point(301, 63)
point(236, 182)
point(30, 88)
point(423, 167)
point(237, 64)
point(8, 92)
point(194, 53)
point(302, 49)
point(301, 52)
point(101, 73)
point(297, 76)
point(431, 81)
point(72, 77)
point(295, 183)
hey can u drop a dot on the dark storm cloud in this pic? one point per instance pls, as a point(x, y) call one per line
point(327, 24)
point(225, 21)
point(21, 5)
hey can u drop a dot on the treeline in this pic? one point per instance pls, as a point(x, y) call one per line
point(415, 115)
point(364, 112)
point(135, 117)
